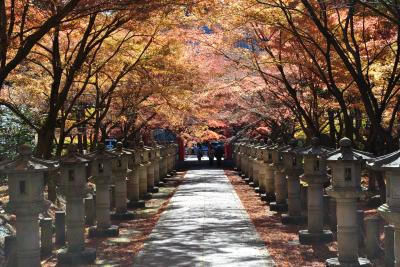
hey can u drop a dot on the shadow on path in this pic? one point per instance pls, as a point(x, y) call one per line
point(205, 224)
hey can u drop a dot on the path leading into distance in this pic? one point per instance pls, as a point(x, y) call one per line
point(205, 224)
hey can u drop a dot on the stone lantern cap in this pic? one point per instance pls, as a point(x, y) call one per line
point(389, 162)
point(347, 153)
point(101, 154)
point(73, 157)
point(26, 163)
point(119, 151)
point(315, 149)
point(277, 153)
point(293, 148)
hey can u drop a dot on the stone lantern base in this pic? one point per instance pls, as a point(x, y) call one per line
point(86, 256)
point(334, 262)
point(307, 238)
point(136, 204)
point(153, 189)
point(268, 197)
point(127, 215)
point(160, 183)
point(287, 219)
point(147, 196)
point(111, 231)
point(278, 207)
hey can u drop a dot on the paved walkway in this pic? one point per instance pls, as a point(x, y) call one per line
point(205, 225)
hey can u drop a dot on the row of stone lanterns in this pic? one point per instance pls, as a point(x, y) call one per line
point(26, 194)
point(286, 165)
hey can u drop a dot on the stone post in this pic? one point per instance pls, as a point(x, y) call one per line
point(262, 173)
point(176, 148)
point(144, 173)
point(26, 200)
point(46, 236)
point(292, 164)
point(346, 166)
point(256, 167)
point(120, 172)
point(247, 162)
point(151, 170)
point(236, 156)
point(332, 214)
point(170, 159)
point(60, 227)
point(372, 237)
point(315, 175)
point(90, 211)
point(156, 160)
point(250, 166)
point(390, 211)
point(102, 161)
point(73, 182)
point(163, 165)
point(243, 159)
point(360, 224)
point(133, 182)
point(389, 245)
point(280, 184)
point(10, 250)
point(112, 197)
point(269, 174)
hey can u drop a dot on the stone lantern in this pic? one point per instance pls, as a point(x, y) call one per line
point(269, 173)
point(168, 155)
point(346, 164)
point(247, 161)
point(262, 171)
point(133, 182)
point(293, 167)
point(163, 162)
point(315, 175)
point(148, 156)
point(250, 165)
point(26, 200)
point(243, 159)
point(174, 157)
point(120, 170)
point(157, 163)
point(280, 183)
point(236, 153)
point(101, 167)
point(144, 162)
point(257, 166)
point(256, 159)
point(73, 184)
point(390, 211)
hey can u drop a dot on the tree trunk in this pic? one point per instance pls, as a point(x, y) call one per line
point(45, 142)
point(332, 129)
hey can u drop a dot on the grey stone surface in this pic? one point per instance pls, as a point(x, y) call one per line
point(205, 224)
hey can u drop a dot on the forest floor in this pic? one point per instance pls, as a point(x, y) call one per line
point(282, 240)
point(121, 250)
